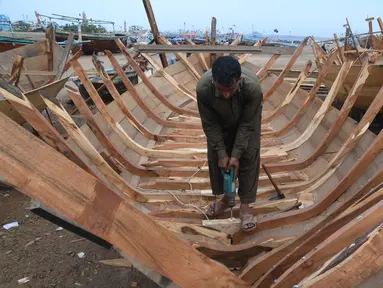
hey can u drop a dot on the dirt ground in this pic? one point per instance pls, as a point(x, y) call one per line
point(49, 258)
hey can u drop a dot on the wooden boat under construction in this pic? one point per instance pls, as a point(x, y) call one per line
point(35, 69)
point(135, 175)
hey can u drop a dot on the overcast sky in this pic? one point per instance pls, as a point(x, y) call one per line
point(318, 18)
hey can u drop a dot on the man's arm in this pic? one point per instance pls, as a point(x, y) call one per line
point(210, 125)
point(250, 122)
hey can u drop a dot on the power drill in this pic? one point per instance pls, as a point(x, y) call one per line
point(229, 187)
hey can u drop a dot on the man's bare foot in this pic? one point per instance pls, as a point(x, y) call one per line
point(248, 221)
point(217, 208)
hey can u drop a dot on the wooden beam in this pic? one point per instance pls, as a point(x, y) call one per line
point(51, 39)
point(179, 87)
point(213, 39)
point(17, 66)
point(200, 56)
point(58, 183)
point(180, 56)
point(341, 239)
point(136, 96)
point(280, 259)
point(177, 49)
point(244, 57)
point(65, 56)
point(287, 68)
point(150, 85)
point(154, 29)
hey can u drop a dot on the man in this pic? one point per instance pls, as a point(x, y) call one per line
point(230, 105)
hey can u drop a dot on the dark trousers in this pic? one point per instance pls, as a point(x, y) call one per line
point(249, 167)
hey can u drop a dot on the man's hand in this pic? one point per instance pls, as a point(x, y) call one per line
point(223, 163)
point(234, 162)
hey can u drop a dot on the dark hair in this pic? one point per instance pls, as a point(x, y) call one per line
point(225, 69)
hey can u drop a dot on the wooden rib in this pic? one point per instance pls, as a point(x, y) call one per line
point(80, 139)
point(259, 207)
point(103, 138)
point(333, 244)
point(180, 88)
point(380, 22)
point(310, 98)
point(203, 184)
point(149, 84)
point(244, 57)
point(136, 96)
point(286, 70)
point(200, 56)
point(262, 72)
point(181, 57)
point(291, 94)
point(128, 141)
point(365, 262)
point(326, 141)
point(129, 115)
point(42, 126)
point(323, 110)
point(58, 183)
point(273, 221)
point(339, 48)
point(279, 260)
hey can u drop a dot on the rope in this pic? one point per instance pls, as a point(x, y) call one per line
point(188, 205)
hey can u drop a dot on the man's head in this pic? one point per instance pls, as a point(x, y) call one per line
point(226, 72)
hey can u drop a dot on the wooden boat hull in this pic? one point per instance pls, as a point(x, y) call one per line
point(5, 46)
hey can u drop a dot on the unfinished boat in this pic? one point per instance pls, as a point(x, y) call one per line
point(35, 68)
point(135, 176)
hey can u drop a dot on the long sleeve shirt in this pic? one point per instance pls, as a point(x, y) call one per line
point(233, 122)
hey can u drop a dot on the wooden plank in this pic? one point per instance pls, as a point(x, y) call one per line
point(333, 244)
point(259, 43)
point(154, 29)
point(339, 48)
point(200, 56)
point(380, 22)
point(58, 183)
point(119, 262)
point(365, 262)
point(18, 63)
point(287, 68)
point(177, 49)
point(180, 88)
point(181, 57)
point(136, 96)
point(149, 84)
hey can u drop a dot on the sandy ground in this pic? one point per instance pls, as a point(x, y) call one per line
point(49, 257)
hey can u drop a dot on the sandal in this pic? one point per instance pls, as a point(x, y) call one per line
point(217, 208)
point(248, 222)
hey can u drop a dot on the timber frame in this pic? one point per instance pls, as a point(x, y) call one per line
point(143, 158)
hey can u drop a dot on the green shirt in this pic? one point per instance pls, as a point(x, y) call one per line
point(233, 123)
